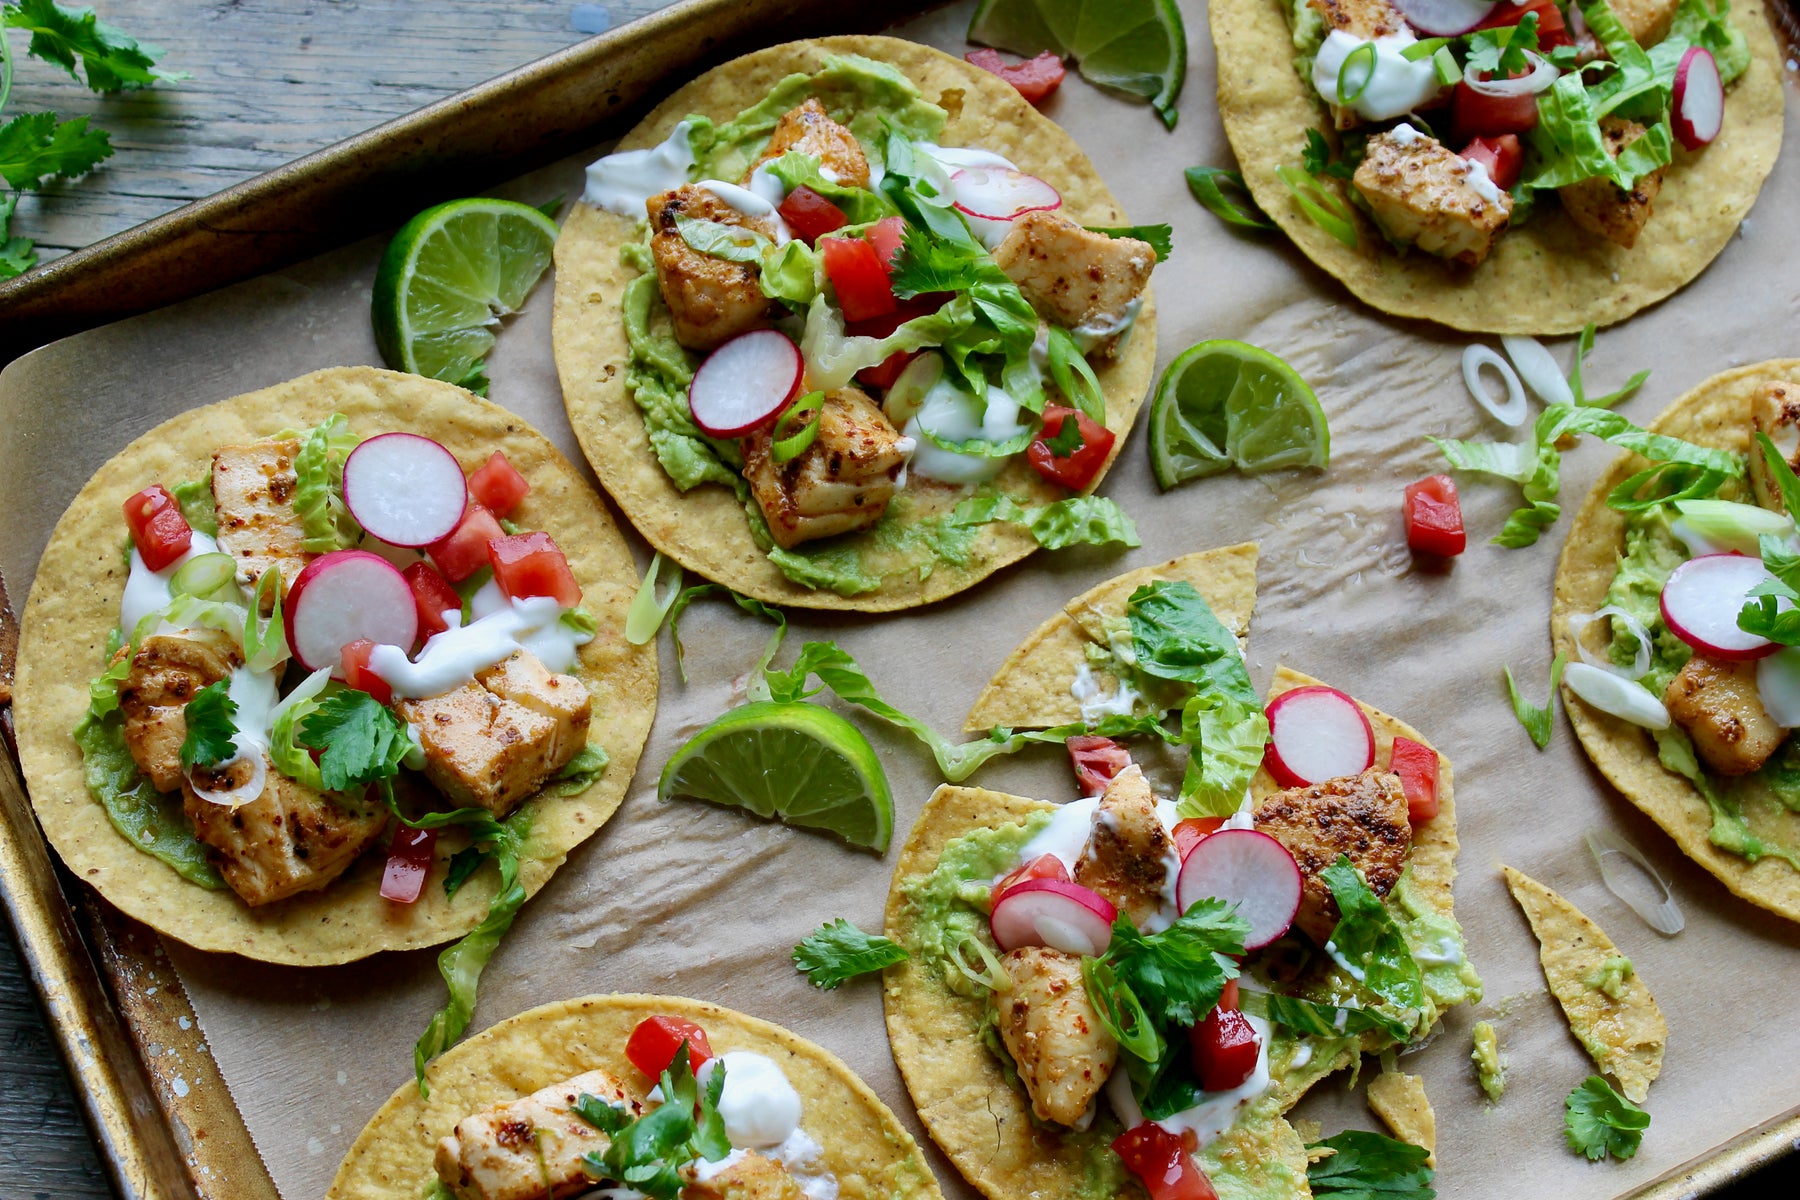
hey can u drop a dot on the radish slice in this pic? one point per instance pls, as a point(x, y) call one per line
point(1778, 681)
point(343, 596)
point(1513, 411)
point(405, 489)
point(1699, 108)
point(745, 383)
point(1000, 195)
point(1702, 599)
point(1446, 18)
point(1249, 869)
point(1622, 698)
point(1317, 733)
point(1049, 912)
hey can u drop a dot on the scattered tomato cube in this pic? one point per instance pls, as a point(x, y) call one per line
point(408, 862)
point(359, 674)
point(652, 1045)
point(1502, 156)
point(1225, 1047)
point(158, 529)
point(531, 564)
point(1044, 866)
point(886, 236)
point(858, 277)
point(433, 597)
point(465, 551)
point(1160, 1159)
point(1035, 78)
point(1077, 468)
point(1417, 767)
point(810, 215)
point(497, 485)
point(1095, 760)
point(1434, 523)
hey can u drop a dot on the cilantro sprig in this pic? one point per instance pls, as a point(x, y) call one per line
point(211, 727)
point(1598, 1121)
point(648, 1152)
point(1147, 985)
point(361, 741)
point(1500, 53)
point(838, 950)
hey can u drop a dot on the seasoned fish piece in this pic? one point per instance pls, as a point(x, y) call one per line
point(1128, 853)
point(531, 1148)
point(290, 839)
point(1049, 1026)
point(1086, 282)
point(1363, 816)
point(1423, 195)
point(1718, 703)
point(497, 739)
point(711, 300)
point(1775, 410)
point(166, 672)
point(748, 1176)
point(808, 130)
point(843, 481)
point(253, 490)
point(1647, 21)
point(1600, 206)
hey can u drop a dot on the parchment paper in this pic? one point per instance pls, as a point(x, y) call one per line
point(692, 899)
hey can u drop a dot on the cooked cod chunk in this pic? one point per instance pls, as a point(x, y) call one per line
point(1647, 21)
point(1600, 206)
point(531, 1148)
point(1090, 284)
point(165, 673)
point(1049, 1026)
point(289, 839)
point(749, 1176)
point(808, 130)
point(711, 300)
point(1363, 816)
point(1128, 852)
point(842, 482)
point(497, 739)
point(1775, 410)
point(1423, 195)
point(1718, 703)
point(253, 490)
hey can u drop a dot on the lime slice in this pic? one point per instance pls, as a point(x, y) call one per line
point(448, 277)
point(798, 763)
point(1136, 46)
point(1223, 404)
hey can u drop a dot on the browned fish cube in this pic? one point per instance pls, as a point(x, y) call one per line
point(1086, 282)
point(1647, 21)
point(253, 491)
point(1422, 194)
point(288, 840)
point(749, 1177)
point(1775, 410)
point(710, 299)
point(1719, 705)
point(1601, 206)
point(1363, 816)
point(166, 672)
point(530, 1148)
point(842, 482)
point(1128, 852)
point(1048, 1024)
point(810, 130)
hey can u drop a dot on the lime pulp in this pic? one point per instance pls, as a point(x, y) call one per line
point(1224, 403)
point(1135, 46)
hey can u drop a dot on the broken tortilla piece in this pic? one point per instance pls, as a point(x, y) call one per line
point(1399, 1100)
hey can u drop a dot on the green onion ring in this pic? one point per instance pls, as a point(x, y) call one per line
point(1425, 49)
point(1326, 210)
point(788, 446)
point(1368, 62)
point(1448, 72)
point(1205, 183)
point(203, 574)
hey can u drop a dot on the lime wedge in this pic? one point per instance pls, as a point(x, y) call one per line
point(799, 763)
point(1135, 46)
point(448, 277)
point(1223, 404)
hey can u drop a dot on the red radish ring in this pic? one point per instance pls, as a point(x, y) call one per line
point(405, 489)
point(1699, 100)
point(997, 194)
point(1702, 599)
point(343, 596)
point(1249, 869)
point(1445, 18)
point(1317, 733)
point(1050, 912)
point(745, 383)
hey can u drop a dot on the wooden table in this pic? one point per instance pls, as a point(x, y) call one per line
point(273, 79)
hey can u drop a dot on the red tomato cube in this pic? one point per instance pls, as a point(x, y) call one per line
point(531, 564)
point(1045, 866)
point(653, 1044)
point(1077, 469)
point(408, 862)
point(886, 235)
point(432, 596)
point(810, 215)
point(858, 277)
point(158, 529)
point(1188, 833)
point(1417, 767)
point(465, 551)
point(1034, 79)
point(1160, 1159)
point(884, 373)
point(1502, 156)
point(497, 485)
point(1095, 761)
point(360, 675)
point(1434, 523)
point(1225, 1048)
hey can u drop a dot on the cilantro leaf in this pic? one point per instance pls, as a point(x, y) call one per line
point(1367, 939)
point(112, 59)
point(929, 263)
point(16, 253)
point(362, 740)
point(1067, 439)
point(463, 863)
point(1368, 1166)
point(600, 1114)
point(1537, 720)
point(1599, 1121)
point(1160, 237)
point(648, 1153)
point(1499, 53)
point(35, 147)
point(1146, 983)
point(838, 950)
point(210, 728)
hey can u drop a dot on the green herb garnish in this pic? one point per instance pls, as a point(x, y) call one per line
point(838, 950)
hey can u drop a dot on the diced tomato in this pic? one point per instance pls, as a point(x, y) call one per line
point(532, 564)
point(1189, 832)
point(158, 529)
point(1225, 1047)
point(1550, 17)
point(1077, 469)
point(1503, 156)
point(858, 277)
point(1228, 996)
point(1044, 866)
point(883, 374)
point(408, 862)
point(1434, 523)
point(652, 1045)
point(1035, 78)
point(885, 235)
point(431, 596)
point(1474, 115)
point(1162, 1161)
point(360, 675)
point(810, 215)
point(1095, 761)
point(465, 551)
point(1417, 767)
point(497, 485)
point(905, 310)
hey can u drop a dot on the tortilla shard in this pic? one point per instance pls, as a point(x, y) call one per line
point(1399, 1100)
point(1625, 1034)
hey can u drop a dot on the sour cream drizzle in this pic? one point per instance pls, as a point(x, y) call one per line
point(501, 626)
point(749, 203)
point(621, 183)
point(1395, 86)
point(147, 591)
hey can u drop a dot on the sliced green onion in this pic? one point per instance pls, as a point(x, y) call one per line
point(789, 443)
point(1205, 183)
point(1425, 49)
point(1327, 211)
point(1363, 56)
point(646, 614)
point(203, 574)
point(1448, 72)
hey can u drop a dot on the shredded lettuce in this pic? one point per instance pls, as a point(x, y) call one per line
point(860, 206)
point(715, 239)
point(148, 819)
point(1073, 521)
point(319, 486)
point(791, 274)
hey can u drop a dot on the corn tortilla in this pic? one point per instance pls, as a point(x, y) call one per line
point(74, 605)
point(1545, 277)
point(705, 529)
